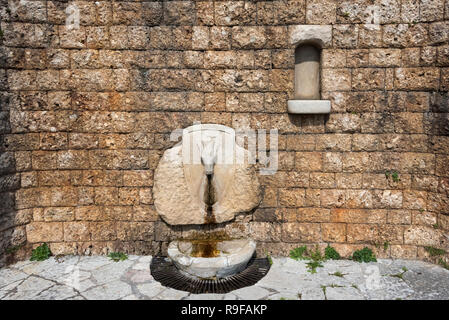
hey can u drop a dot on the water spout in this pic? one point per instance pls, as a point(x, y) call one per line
point(210, 199)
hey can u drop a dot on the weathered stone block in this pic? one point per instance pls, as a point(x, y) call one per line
point(312, 215)
point(308, 161)
point(44, 232)
point(102, 231)
point(301, 232)
point(438, 32)
point(370, 35)
point(333, 142)
point(431, 10)
point(135, 231)
point(265, 231)
point(348, 180)
point(76, 231)
point(144, 213)
point(291, 197)
point(336, 79)
point(362, 233)
point(343, 123)
point(127, 13)
point(152, 13)
point(58, 214)
point(333, 58)
point(289, 12)
point(321, 12)
point(179, 13)
point(322, 180)
point(416, 78)
point(220, 38)
point(421, 235)
point(229, 13)
point(333, 232)
point(345, 36)
point(248, 37)
point(128, 196)
point(106, 196)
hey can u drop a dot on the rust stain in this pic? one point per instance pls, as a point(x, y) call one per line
point(205, 248)
point(210, 217)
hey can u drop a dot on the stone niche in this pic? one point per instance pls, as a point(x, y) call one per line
point(308, 40)
point(206, 164)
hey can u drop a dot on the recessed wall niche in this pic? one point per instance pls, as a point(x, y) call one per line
point(307, 72)
point(307, 93)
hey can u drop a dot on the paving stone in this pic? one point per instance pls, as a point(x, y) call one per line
point(145, 259)
point(41, 267)
point(78, 297)
point(251, 293)
point(110, 291)
point(75, 278)
point(150, 289)
point(278, 280)
point(93, 262)
point(388, 288)
point(290, 265)
point(137, 276)
point(58, 271)
point(57, 292)
point(312, 293)
point(285, 295)
point(328, 280)
point(131, 297)
point(428, 282)
point(230, 296)
point(8, 276)
point(141, 266)
point(110, 272)
point(12, 286)
point(343, 293)
point(172, 294)
point(83, 285)
point(29, 288)
point(21, 264)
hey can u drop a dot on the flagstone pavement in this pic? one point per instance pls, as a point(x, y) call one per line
point(100, 278)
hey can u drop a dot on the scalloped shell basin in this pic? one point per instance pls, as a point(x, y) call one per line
point(228, 258)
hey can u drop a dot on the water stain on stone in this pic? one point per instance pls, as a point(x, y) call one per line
point(205, 248)
point(210, 200)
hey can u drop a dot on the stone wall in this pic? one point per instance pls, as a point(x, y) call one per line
point(86, 114)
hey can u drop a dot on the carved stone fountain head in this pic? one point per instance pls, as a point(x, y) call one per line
point(181, 178)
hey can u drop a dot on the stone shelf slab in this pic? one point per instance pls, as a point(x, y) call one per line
point(309, 106)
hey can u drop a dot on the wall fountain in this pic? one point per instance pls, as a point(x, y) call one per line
point(207, 179)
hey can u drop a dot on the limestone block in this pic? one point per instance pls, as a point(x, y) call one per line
point(321, 35)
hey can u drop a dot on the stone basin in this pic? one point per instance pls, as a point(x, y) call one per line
point(210, 259)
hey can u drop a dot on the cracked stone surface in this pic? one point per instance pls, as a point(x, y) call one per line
point(99, 278)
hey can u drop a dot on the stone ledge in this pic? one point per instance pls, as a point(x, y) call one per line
point(320, 35)
point(309, 106)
